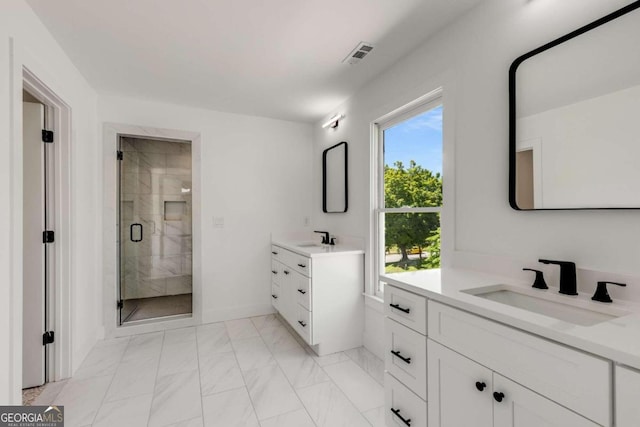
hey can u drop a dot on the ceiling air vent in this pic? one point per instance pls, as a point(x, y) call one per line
point(356, 55)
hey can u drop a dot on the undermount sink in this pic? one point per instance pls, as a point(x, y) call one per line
point(308, 245)
point(549, 303)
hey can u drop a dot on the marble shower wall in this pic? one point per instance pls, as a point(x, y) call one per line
point(156, 192)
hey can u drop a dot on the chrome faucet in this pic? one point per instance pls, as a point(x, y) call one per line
point(568, 282)
point(325, 237)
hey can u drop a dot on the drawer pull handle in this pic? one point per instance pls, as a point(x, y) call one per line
point(396, 412)
point(480, 386)
point(304, 325)
point(274, 252)
point(274, 296)
point(286, 272)
point(397, 307)
point(274, 272)
point(302, 265)
point(498, 396)
point(302, 292)
point(399, 356)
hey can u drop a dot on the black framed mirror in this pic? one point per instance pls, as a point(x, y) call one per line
point(574, 132)
point(335, 183)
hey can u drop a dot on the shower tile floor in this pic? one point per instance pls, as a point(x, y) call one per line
point(151, 308)
point(248, 372)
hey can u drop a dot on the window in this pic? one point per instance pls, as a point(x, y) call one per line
point(408, 199)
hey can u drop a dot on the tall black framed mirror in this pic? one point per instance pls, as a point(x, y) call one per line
point(574, 133)
point(335, 183)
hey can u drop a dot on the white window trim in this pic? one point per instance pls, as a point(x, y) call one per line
point(416, 107)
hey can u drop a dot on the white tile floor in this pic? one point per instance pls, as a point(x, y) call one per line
point(248, 372)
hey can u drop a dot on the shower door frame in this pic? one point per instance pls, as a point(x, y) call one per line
point(112, 133)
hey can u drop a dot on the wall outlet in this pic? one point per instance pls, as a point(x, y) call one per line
point(218, 222)
point(307, 221)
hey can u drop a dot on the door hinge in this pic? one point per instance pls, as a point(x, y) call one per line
point(120, 304)
point(47, 136)
point(120, 155)
point(48, 236)
point(48, 338)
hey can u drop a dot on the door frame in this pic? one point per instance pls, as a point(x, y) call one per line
point(59, 301)
point(111, 137)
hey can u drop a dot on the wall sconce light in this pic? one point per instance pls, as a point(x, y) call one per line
point(333, 121)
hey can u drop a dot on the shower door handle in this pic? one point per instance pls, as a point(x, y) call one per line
point(131, 232)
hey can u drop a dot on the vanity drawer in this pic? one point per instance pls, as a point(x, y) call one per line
point(303, 323)
point(299, 263)
point(302, 288)
point(574, 379)
point(276, 271)
point(406, 356)
point(407, 308)
point(277, 252)
point(401, 402)
point(275, 296)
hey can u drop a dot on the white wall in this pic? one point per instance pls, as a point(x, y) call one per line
point(255, 175)
point(471, 59)
point(26, 42)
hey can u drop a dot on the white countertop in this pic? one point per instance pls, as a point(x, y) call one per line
point(617, 339)
point(313, 249)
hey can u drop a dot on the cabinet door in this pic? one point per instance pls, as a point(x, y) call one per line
point(459, 390)
point(627, 397)
point(287, 297)
point(521, 407)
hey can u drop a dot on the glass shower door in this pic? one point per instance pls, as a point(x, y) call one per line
point(155, 229)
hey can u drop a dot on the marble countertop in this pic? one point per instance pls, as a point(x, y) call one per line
point(617, 339)
point(314, 249)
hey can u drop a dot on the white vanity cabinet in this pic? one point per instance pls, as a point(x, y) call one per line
point(570, 378)
point(405, 358)
point(627, 397)
point(465, 393)
point(320, 296)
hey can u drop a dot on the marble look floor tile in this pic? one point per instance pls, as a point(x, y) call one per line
point(131, 412)
point(299, 418)
point(82, 399)
point(261, 322)
point(219, 372)
point(329, 407)
point(300, 368)
point(144, 346)
point(252, 353)
point(176, 398)
point(369, 362)
point(376, 416)
point(241, 329)
point(213, 338)
point(178, 355)
point(194, 422)
point(328, 359)
point(133, 378)
point(278, 338)
point(179, 336)
point(49, 395)
point(270, 392)
point(357, 385)
point(229, 409)
point(103, 359)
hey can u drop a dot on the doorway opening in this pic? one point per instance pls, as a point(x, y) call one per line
point(155, 279)
point(44, 171)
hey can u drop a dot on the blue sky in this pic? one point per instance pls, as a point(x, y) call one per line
point(419, 139)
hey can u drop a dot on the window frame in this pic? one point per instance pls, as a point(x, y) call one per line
point(426, 103)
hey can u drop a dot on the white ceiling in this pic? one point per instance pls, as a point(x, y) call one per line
point(278, 58)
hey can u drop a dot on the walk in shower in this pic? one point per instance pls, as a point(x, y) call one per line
point(155, 230)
